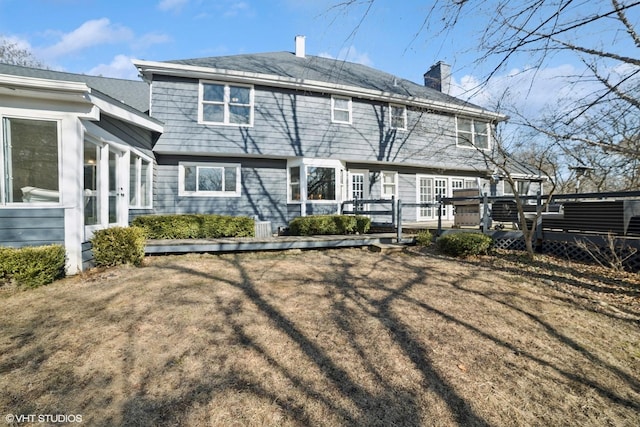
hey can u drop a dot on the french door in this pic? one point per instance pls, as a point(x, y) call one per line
point(359, 186)
point(429, 188)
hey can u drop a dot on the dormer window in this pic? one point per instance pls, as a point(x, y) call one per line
point(398, 115)
point(226, 104)
point(472, 133)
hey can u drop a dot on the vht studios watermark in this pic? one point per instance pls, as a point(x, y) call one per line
point(42, 418)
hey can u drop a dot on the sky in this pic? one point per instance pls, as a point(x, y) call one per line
point(101, 37)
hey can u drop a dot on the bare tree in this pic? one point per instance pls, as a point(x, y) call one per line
point(12, 53)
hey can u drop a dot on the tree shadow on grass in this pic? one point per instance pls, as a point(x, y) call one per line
point(392, 405)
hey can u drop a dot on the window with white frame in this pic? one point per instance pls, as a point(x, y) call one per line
point(315, 180)
point(139, 182)
point(30, 161)
point(398, 115)
point(209, 179)
point(472, 133)
point(389, 184)
point(521, 185)
point(226, 104)
point(341, 109)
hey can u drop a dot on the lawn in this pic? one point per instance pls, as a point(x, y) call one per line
point(335, 337)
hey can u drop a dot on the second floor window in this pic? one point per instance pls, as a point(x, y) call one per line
point(472, 133)
point(226, 104)
point(398, 116)
point(340, 109)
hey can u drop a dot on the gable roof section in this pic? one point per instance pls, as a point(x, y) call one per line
point(317, 74)
point(133, 93)
point(125, 99)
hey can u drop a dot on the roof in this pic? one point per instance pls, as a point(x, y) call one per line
point(133, 93)
point(316, 68)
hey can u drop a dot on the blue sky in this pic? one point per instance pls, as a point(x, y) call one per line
point(101, 37)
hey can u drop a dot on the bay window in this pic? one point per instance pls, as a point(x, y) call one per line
point(315, 180)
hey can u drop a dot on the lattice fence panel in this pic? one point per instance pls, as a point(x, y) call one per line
point(571, 250)
point(510, 243)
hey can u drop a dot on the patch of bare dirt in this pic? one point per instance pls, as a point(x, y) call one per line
point(336, 337)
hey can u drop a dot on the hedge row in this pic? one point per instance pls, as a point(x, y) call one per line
point(329, 224)
point(32, 266)
point(194, 226)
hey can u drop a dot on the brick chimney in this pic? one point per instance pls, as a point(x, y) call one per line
point(439, 77)
point(300, 46)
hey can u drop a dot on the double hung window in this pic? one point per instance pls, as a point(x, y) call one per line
point(398, 115)
point(226, 104)
point(340, 109)
point(472, 133)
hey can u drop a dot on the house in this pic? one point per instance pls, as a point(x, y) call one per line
point(75, 156)
point(283, 134)
point(271, 135)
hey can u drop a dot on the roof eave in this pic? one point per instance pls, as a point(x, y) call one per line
point(148, 68)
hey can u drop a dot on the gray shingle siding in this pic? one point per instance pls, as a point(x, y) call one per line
point(263, 195)
point(31, 227)
point(290, 123)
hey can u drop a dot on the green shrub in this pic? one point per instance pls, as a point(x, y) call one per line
point(32, 266)
point(424, 238)
point(464, 244)
point(329, 224)
point(118, 245)
point(194, 226)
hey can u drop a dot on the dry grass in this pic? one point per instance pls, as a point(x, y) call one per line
point(342, 337)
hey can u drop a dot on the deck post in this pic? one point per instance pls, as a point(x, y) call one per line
point(439, 207)
point(399, 219)
point(539, 217)
point(393, 211)
point(485, 213)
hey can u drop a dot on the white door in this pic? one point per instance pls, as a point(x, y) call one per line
point(425, 195)
point(359, 186)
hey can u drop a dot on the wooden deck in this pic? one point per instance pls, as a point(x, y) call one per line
point(266, 244)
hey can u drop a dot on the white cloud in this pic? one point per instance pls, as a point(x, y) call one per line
point(174, 5)
point(91, 33)
point(149, 39)
point(120, 67)
point(530, 90)
point(236, 8)
point(20, 43)
point(350, 54)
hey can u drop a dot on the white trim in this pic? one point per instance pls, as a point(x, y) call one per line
point(124, 114)
point(181, 177)
point(152, 67)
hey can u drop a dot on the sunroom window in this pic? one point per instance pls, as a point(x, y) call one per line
point(139, 182)
point(209, 179)
point(30, 152)
point(226, 104)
